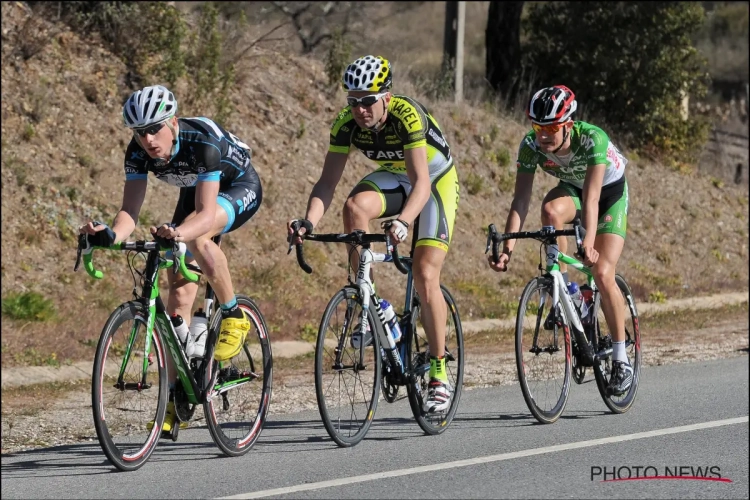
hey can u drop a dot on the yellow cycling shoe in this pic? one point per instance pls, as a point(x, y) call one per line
point(169, 419)
point(231, 337)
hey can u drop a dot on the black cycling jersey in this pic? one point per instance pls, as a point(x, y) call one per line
point(204, 152)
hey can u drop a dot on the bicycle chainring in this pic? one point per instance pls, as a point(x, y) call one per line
point(183, 408)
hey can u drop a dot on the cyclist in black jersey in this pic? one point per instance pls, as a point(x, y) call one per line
point(416, 177)
point(219, 192)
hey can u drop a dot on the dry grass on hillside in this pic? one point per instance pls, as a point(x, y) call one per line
point(62, 147)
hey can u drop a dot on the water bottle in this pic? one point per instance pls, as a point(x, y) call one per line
point(198, 332)
point(180, 328)
point(587, 293)
point(391, 319)
point(575, 294)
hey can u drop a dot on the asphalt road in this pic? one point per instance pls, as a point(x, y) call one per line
point(686, 416)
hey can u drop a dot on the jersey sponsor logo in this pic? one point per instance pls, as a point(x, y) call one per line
point(437, 138)
point(344, 128)
point(248, 201)
point(131, 170)
point(587, 142)
point(608, 218)
point(550, 164)
point(574, 170)
point(137, 155)
point(406, 114)
point(185, 180)
point(236, 154)
point(180, 164)
point(384, 155)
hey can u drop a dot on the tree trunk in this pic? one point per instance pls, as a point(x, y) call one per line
point(503, 43)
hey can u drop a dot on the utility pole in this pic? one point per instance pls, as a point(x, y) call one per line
point(453, 44)
point(460, 52)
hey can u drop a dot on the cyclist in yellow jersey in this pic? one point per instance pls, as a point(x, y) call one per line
point(416, 177)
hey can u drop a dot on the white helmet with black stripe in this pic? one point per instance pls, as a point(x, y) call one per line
point(149, 106)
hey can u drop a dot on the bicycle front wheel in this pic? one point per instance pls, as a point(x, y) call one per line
point(237, 405)
point(347, 368)
point(602, 370)
point(418, 355)
point(542, 356)
point(129, 388)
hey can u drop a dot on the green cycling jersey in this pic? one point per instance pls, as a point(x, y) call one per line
point(589, 146)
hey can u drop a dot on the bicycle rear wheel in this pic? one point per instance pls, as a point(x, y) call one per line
point(347, 373)
point(123, 402)
point(543, 357)
point(418, 356)
point(602, 370)
point(237, 405)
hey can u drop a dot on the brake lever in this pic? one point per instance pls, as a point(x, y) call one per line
point(491, 232)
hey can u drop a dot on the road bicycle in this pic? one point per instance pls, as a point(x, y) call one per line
point(129, 380)
point(352, 366)
point(546, 360)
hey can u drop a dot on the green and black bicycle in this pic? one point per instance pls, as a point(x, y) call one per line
point(129, 393)
point(547, 357)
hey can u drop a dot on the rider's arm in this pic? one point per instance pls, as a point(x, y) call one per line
point(206, 193)
point(519, 207)
point(322, 193)
point(133, 195)
point(419, 176)
point(592, 188)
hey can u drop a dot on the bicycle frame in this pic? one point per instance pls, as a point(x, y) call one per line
point(554, 257)
point(364, 284)
point(158, 320)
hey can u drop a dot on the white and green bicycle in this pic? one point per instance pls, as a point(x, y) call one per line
point(547, 357)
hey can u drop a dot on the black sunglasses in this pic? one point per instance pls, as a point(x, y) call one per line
point(365, 101)
point(151, 129)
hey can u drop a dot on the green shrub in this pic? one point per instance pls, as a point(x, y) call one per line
point(633, 78)
point(29, 306)
point(338, 57)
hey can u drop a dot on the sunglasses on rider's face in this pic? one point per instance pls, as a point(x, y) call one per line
point(150, 130)
point(365, 101)
point(547, 129)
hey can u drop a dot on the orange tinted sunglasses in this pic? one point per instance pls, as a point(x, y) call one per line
point(547, 129)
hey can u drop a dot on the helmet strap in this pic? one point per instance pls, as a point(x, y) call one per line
point(378, 126)
point(565, 138)
point(174, 139)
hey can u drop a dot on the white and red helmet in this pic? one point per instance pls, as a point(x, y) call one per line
point(552, 105)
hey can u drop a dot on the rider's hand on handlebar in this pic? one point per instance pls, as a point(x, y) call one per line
point(501, 265)
point(590, 254)
point(399, 231)
point(98, 234)
point(303, 226)
point(165, 235)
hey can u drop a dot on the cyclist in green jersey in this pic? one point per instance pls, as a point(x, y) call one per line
point(416, 177)
point(592, 183)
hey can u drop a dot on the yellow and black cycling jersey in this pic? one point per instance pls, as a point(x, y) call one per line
point(408, 125)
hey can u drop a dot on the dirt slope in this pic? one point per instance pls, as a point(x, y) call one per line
point(62, 153)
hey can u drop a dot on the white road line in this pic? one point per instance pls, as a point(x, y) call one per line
point(488, 459)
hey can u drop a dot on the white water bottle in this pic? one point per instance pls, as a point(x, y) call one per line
point(180, 328)
point(196, 345)
point(391, 319)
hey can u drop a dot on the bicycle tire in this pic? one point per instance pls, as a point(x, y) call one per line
point(435, 423)
point(619, 404)
point(346, 433)
point(235, 380)
point(544, 285)
point(108, 421)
